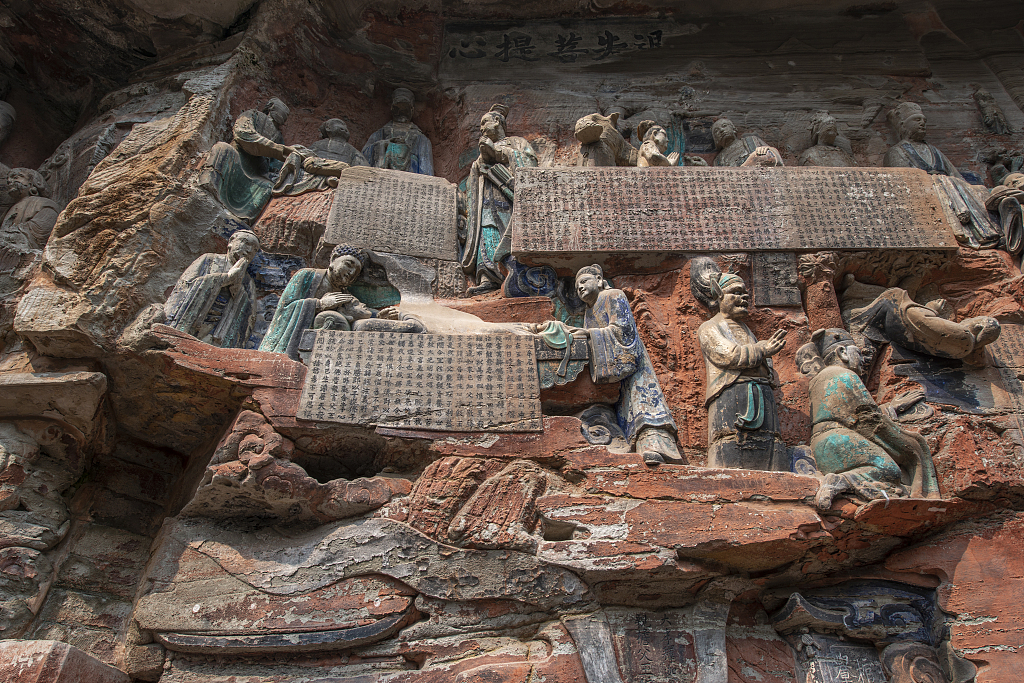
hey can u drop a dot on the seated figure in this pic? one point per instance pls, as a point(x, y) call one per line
point(982, 229)
point(749, 150)
point(320, 297)
point(617, 354)
point(856, 445)
point(28, 223)
point(823, 136)
point(400, 144)
point(215, 298)
point(318, 166)
point(655, 144)
point(743, 422)
point(238, 174)
point(890, 315)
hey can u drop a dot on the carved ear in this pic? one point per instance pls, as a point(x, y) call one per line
point(716, 289)
point(614, 118)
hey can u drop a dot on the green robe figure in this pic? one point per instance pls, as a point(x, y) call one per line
point(489, 190)
point(313, 298)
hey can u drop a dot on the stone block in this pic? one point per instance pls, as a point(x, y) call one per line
point(70, 397)
point(50, 661)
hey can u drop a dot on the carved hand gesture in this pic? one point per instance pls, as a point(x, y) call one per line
point(334, 300)
point(388, 313)
point(673, 159)
point(773, 344)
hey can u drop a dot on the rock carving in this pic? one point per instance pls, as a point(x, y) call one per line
point(748, 150)
point(400, 145)
point(28, 223)
point(215, 298)
point(601, 143)
point(489, 192)
point(743, 425)
point(825, 152)
point(857, 446)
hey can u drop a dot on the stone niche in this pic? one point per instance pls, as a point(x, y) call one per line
point(448, 496)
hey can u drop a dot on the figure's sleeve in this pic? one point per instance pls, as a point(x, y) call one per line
point(253, 142)
point(426, 156)
point(368, 147)
point(614, 346)
point(726, 353)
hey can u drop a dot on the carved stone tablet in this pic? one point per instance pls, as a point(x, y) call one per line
point(459, 383)
point(394, 212)
point(1008, 350)
point(774, 279)
point(696, 209)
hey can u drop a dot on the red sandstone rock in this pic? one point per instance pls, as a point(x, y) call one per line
point(49, 661)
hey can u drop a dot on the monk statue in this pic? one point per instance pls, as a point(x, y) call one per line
point(400, 145)
point(890, 314)
point(825, 152)
point(980, 228)
point(28, 223)
point(215, 298)
point(319, 299)
point(318, 166)
point(489, 191)
point(334, 144)
point(749, 150)
point(617, 354)
point(743, 424)
point(856, 445)
point(238, 174)
point(654, 145)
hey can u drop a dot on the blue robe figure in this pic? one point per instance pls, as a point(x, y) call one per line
point(617, 354)
point(400, 144)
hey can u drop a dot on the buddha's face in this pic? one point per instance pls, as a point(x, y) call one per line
point(724, 133)
point(735, 301)
point(588, 286)
point(344, 270)
point(660, 138)
point(914, 127)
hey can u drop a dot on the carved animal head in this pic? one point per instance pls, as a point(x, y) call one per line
point(591, 127)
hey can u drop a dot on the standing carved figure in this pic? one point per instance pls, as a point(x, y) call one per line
point(238, 173)
point(749, 150)
point(28, 223)
point(400, 144)
point(655, 144)
point(215, 298)
point(980, 228)
point(617, 354)
point(743, 425)
point(825, 152)
point(856, 445)
point(489, 190)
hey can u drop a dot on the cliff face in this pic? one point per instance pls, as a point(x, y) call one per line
point(166, 509)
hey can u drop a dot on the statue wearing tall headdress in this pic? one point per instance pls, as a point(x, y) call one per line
point(825, 152)
point(489, 192)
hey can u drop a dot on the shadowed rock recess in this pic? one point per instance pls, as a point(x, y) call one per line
point(542, 342)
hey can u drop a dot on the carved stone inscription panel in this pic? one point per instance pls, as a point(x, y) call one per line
point(824, 659)
point(697, 209)
point(1008, 350)
point(775, 279)
point(459, 383)
point(395, 212)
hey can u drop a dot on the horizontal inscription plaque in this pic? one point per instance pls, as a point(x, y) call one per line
point(707, 209)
